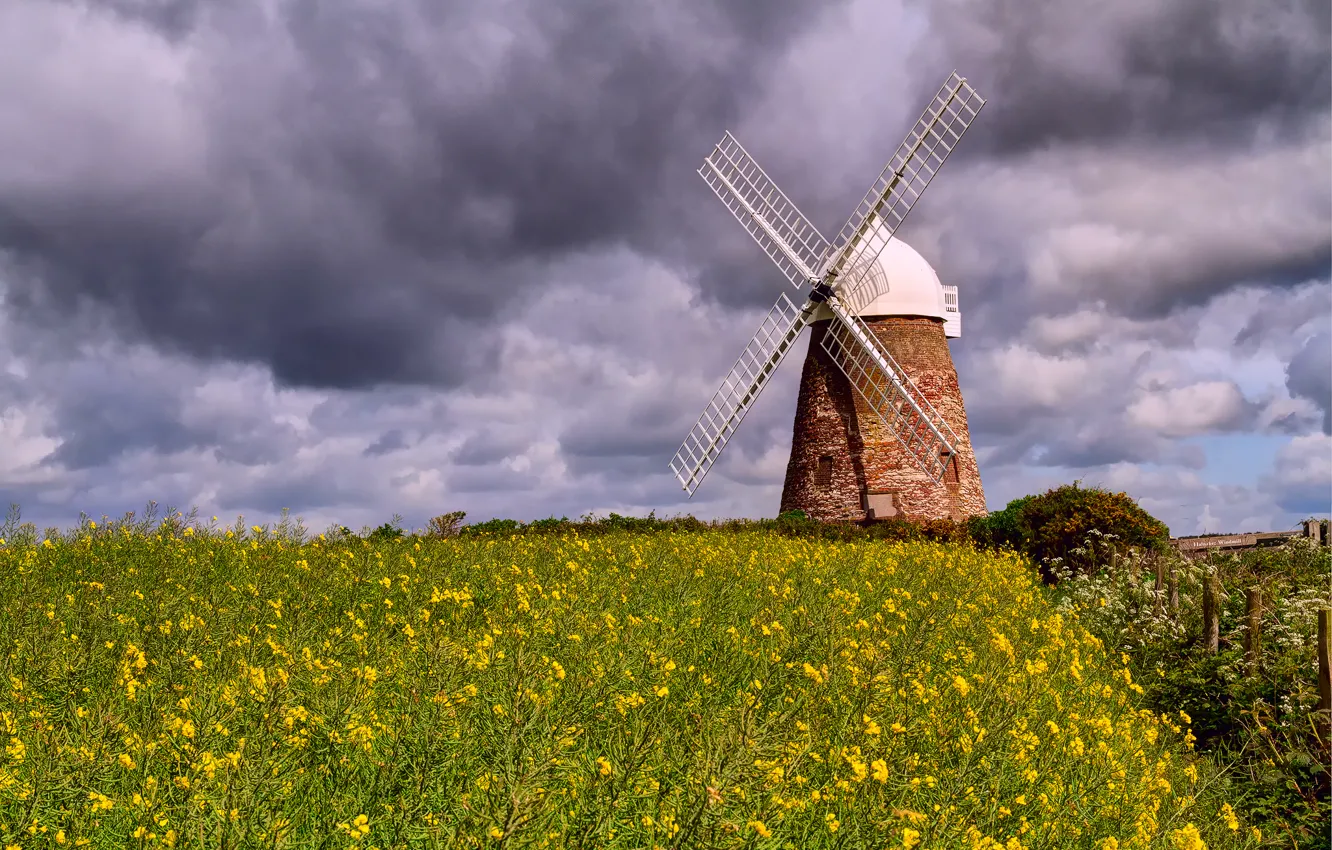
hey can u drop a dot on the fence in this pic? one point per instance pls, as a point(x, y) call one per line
point(1253, 632)
point(1195, 546)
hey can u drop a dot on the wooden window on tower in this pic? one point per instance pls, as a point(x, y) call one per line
point(823, 472)
point(950, 471)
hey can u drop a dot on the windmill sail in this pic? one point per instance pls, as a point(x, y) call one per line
point(902, 181)
point(742, 385)
point(836, 273)
point(780, 229)
point(890, 393)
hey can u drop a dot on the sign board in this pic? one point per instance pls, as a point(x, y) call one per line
point(1227, 542)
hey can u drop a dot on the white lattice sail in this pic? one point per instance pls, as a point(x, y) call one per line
point(742, 385)
point(844, 275)
point(784, 234)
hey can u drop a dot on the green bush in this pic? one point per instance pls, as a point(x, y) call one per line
point(492, 526)
point(999, 528)
point(387, 531)
point(1054, 527)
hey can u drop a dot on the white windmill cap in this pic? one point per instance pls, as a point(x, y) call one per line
point(905, 283)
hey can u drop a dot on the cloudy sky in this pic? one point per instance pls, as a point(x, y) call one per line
point(402, 256)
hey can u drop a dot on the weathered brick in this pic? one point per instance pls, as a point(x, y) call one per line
point(833, 421)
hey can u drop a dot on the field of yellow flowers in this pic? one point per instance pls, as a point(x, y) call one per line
point(180, 687)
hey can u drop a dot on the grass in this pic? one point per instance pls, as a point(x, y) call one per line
point(173, 686)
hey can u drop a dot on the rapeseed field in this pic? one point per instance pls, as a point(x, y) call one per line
point(183, 687)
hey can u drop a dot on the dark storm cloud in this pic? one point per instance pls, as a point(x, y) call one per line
point(297, 492)
point(486, 447)
point(649, 427)
point(106, 407)
point(1106, 129)
point(1309, 375)
point(100, 416)
point(1103, 449)
point(1089, 71)
point(370, 185)
point(175, 18)
point(388, 442)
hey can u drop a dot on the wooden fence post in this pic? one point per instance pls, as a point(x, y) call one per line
point(1253, 634)
point(1211, 620)
point(1160, 582)
point(1325, 672)
point(1173, 592)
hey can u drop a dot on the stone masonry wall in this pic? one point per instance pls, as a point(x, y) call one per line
point(832, 421)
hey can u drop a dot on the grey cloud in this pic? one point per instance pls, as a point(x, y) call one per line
point(486, 447)
point(1309, 375)
point(1301, 479)
point(1105, 166)
point(174, 18)
point(468, 480)
point(1305, 499)
point(370, 186)
point(388, 442)
point(1278, 317)
point(1086, 71)
point(1143, 233)
point(1083, 451)
point(652, 425)
point(502, 196)
point(100, 415)
point(293, 490)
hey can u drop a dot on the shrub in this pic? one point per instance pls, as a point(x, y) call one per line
point(1054, 526)
point(1001, 528)
point(446, 525)
point(493, 526)
point(387, 531)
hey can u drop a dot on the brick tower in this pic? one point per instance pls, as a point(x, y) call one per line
point(844, 464)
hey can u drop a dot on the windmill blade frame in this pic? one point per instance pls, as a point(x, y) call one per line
point(776, 224)
point(891, 197)
point(739, 389)
point(890, 393)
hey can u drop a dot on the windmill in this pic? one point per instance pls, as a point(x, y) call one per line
point(869, 440)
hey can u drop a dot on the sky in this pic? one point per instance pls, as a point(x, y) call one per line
point(403, 257)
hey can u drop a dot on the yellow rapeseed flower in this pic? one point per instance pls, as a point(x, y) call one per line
point(1228, 815)
point(758, 827)
point(1187, 838)
point(880, 770)
point(358, 828)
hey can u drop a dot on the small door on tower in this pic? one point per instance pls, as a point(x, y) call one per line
point(881, 504)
